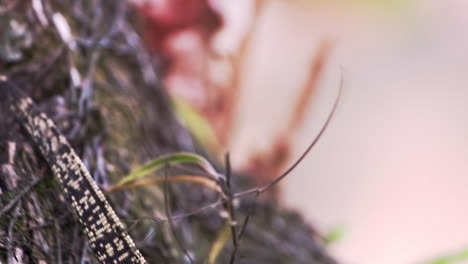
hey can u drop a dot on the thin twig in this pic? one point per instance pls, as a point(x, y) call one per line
point(227, 161)
point(233, 224)
point(176, 217)
point(229, 207)
point(242, 231)
point(266, 187)
point(197, 211)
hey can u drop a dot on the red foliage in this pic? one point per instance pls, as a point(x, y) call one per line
point(162, 18)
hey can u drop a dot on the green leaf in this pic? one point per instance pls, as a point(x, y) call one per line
point(219, 244)
point(198, 126)
point(170, 159)
point(334, 235)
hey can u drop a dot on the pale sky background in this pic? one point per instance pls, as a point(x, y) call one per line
point(393, 166)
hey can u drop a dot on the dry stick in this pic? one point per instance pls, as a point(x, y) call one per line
point(227, 162)
point(169, 217)
point(232, 223)
point(197, 211)
point(230, 208)
point(309, 148)
point(244, 227)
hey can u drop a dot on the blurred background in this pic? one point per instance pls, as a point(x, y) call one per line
point(260, 78)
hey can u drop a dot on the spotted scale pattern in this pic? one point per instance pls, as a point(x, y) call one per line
point(106, 234)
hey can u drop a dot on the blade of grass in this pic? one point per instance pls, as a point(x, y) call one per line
point(209, 183)
point(219, 243)
point(198, 126)
point(170, 159)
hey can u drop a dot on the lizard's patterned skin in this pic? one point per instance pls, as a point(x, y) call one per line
point(106, 234)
